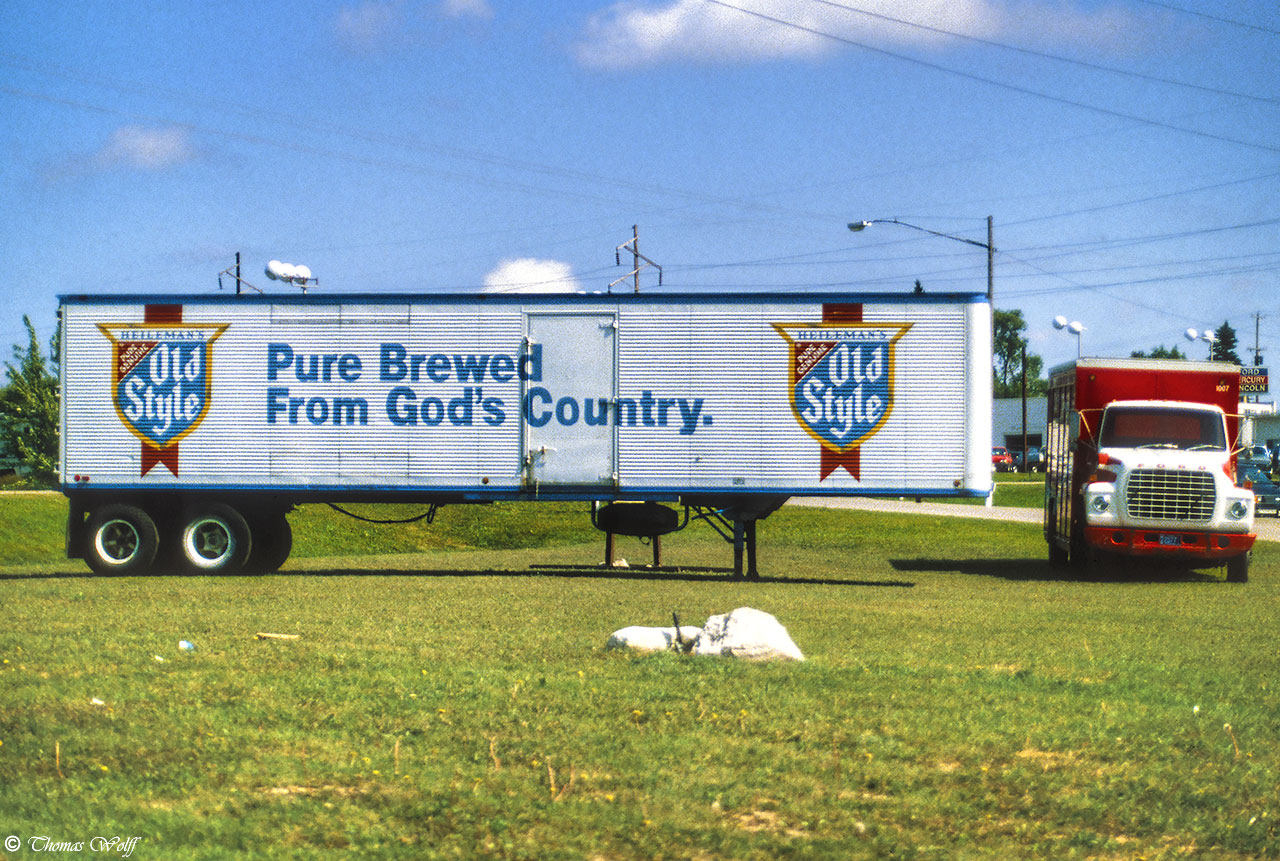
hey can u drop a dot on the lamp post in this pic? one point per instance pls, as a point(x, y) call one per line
point(857, 226)
point(1074, 327)
point(291, 273)
point(1208, 336)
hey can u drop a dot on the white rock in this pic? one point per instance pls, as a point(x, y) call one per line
point(644, 639)
point(747, 633)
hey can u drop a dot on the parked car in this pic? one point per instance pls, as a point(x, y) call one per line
point(1266, 492)
point(1035, 460)
point(1254, 456)
point(1001, 460)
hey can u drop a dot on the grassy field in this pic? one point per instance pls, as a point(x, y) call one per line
point(449, 696)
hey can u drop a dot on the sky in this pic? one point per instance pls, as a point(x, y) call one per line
point(1127, 152)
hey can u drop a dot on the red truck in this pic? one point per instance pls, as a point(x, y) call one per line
point(1141, 463)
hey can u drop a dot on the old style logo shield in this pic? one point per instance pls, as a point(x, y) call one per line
point(161, 382)
point(841, 383)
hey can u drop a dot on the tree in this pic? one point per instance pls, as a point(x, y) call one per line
point(1160, 352)
point(29, 408)
point(1224, 345)
point(1008, 346)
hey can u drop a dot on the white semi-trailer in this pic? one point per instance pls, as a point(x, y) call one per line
point(192, 424)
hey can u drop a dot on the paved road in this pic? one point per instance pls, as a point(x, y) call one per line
point(1267, 526)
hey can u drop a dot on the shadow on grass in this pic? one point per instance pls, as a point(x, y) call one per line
point(597, 572)
point(585, 572)
point(1041, 571)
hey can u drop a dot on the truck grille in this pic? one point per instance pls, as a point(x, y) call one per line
point(1170, 494)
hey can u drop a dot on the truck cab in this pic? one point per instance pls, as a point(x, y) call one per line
point(1141, 464)
point(1164, 484)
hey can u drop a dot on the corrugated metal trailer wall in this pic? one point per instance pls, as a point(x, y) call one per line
point(507, 395)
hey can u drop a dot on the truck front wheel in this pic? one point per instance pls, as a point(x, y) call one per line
point(214, 540)
point(272, 541)
point(123, 539)
point(1238, 569)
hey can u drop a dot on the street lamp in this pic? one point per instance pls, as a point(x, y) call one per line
point(291, 273)
point(1074, 327)
point(1207, 336)
point(857, 226)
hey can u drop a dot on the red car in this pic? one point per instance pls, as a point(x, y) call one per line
point(1001, 460)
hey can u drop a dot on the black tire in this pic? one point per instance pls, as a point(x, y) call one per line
point(272, 542)
point(214, 539)
point(1080, 554)
point(1058, 557)
point(120, 539)
point(1238, 569)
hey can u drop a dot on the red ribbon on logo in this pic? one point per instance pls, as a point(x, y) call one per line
point(152, 455)
point(830, 460)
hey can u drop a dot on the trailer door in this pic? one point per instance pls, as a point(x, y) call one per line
point(569, 432)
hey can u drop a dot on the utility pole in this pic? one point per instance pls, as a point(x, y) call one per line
point(635, 254)
point(1025, 466)
point(991, 264)
point(1257, 348)
point(636, 257)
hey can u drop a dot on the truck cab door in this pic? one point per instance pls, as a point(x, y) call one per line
point(570, 436)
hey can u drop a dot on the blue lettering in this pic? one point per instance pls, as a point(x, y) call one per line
point(460, 408)
point(591, 416)
point(277, 402)
point(349, 367)
point(471, 368)
point(317, 411)
point(567, 411)
point(437, 368)
point(391, 366)
point(502, 369)
point(531, 364)
point(540, 394)
point(401, 409)
point(689, 412)
point(646, 408)
point(432, 411)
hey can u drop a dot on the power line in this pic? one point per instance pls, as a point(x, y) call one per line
point(1026, 91)
point(1097, 67)
point(1220, 20)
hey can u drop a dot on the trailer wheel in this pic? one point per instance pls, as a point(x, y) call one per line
point(215, 539)
point(123, 539)
point(272, 542)
point(1238, 569)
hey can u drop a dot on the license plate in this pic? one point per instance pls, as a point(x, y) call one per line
point(1171, 540)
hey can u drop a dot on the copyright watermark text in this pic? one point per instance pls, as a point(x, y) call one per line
point(122, 846)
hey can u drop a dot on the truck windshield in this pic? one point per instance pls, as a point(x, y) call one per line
point(1157, 427)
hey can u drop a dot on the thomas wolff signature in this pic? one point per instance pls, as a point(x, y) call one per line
point(124, 846)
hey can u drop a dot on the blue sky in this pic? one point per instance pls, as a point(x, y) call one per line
point(1128, 151)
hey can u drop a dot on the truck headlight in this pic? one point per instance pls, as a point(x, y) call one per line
point(1238, 509)
point(1100, 504)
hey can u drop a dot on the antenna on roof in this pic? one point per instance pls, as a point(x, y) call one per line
point(234, 272)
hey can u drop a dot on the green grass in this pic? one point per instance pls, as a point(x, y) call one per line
point(1015, 489)
point(959, 699)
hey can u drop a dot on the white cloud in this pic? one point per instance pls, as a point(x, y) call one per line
point(530, 275)
point(635, 33)
point(146, 149)
point(368, 26)
point(466, 9)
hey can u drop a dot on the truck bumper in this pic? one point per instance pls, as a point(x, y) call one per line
point(1169, 543)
